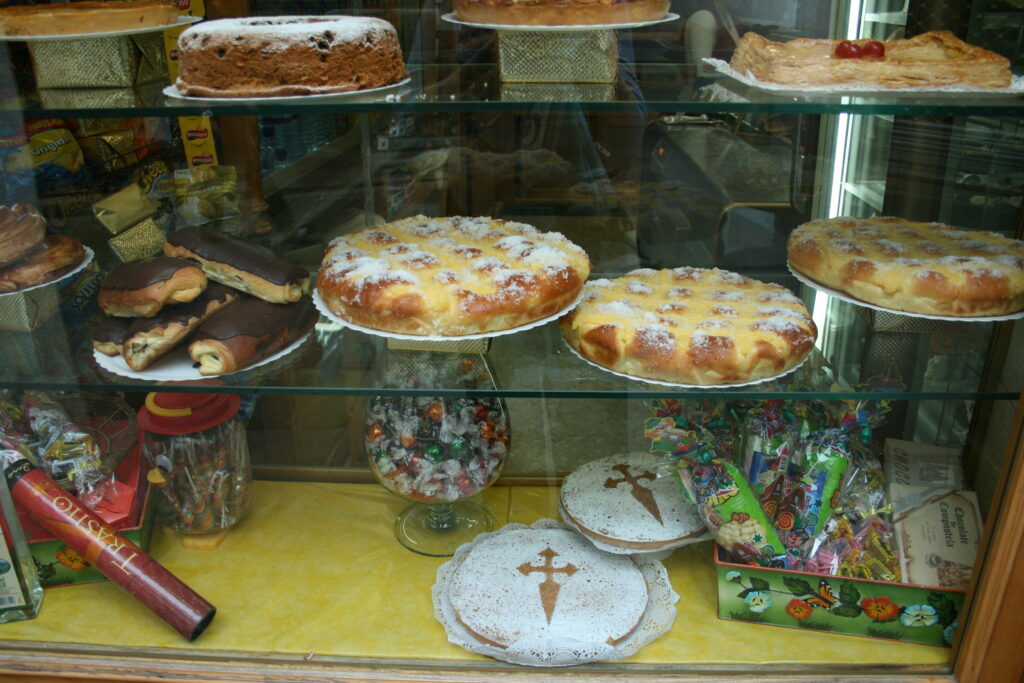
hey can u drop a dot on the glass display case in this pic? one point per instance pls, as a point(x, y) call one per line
point(667, 165)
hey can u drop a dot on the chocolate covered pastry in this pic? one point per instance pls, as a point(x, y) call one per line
point(141, 288)
point(248, 267)
point(248, 332)
point(109, 336)
point(150, 338)
point(57, 255)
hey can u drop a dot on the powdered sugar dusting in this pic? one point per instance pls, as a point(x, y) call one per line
point(657, 337)
point(616, 514)
point(272, 34)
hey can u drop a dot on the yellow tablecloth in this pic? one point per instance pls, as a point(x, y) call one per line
point(315, 568)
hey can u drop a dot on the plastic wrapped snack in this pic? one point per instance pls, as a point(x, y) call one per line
point(764, 453)
point(64, 448)
point(730, 508)
point(812, 489)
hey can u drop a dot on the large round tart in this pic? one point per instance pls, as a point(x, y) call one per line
point(548, 588)
point(622, 502)
point(450, 276)
point(691, 326)
point(923, 268)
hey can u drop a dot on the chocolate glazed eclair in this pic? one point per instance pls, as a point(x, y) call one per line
point(150, 338)
point(109, 336)
point(248, 267)
point(141, 288)
point(248, 332)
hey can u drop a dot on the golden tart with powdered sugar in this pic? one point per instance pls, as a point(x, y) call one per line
point(690, 326)
point(450, 276)
point(925, 268)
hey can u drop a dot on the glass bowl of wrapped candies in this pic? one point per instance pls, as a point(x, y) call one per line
point(438, 451)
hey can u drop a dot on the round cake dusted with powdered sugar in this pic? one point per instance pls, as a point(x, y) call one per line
point(285, 56)
point(693, 326)
point(923, 268)
point(547, 590)
point(450, 276)
point(622, 501)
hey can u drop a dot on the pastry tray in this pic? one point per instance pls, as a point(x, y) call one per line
point(176, 366)
point(86, 260)
point(952, 318)
point(738, 385)
point(854, 89)
point(453, 19)
point(391, 93)
point(182, 21)
point(657, 620)
point(322, 307)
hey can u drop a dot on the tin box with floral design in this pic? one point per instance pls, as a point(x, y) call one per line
point(837, 604)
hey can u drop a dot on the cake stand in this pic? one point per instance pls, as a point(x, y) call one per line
point(558, 54)
point(437, 451)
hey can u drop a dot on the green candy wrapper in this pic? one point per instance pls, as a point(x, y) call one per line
point(731, 510)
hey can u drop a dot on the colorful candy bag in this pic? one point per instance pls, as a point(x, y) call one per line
point(860, 539)
point(813, 489)
point(764, 453)
point(64, 448)
point(729, 507)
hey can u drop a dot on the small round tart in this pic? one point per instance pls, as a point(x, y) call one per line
point(692, 326)
point(925, 268)
point(450, 276)
point(546, 588)
point(559, 12)
point(621, 501)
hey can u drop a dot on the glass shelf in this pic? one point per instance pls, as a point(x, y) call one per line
point(535, 363)
point(662, 87)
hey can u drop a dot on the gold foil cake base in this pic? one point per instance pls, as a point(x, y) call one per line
point(454, 346)
point(98, 62)
point(558, 57)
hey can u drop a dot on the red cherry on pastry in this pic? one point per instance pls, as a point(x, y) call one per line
point(873, 48)
point(847, 50)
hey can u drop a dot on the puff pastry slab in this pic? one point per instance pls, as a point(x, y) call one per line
point(450, 276)
point(690, 326)
point(933, 59)
point(926, 268)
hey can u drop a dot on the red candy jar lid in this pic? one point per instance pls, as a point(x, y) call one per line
point(166, 413)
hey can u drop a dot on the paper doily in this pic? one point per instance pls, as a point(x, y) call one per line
point(374, 94)
point(657, 620)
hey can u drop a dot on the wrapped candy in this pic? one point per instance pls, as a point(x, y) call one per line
point(64, 449)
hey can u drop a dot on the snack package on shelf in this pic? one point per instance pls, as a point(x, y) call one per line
point(811, 488)
point(728, 505)
point(765, 451)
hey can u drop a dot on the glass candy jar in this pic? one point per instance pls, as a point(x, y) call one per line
point(437, 451)
point(200, 458)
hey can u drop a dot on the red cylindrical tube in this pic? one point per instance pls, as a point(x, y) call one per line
point(119, 559)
